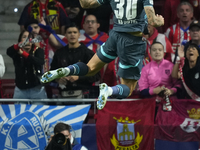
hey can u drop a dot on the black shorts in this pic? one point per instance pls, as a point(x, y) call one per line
point(130, 50)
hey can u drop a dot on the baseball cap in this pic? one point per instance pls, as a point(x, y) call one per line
point(195, 23)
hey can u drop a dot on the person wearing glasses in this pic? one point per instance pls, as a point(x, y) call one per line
point(65, 129)
point(93, 39)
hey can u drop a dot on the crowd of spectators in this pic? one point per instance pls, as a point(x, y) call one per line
point(47, 19)
point(65, 34)
point(180, 31)
point(73, 52)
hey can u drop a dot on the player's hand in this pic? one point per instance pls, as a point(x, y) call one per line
point(160, 20)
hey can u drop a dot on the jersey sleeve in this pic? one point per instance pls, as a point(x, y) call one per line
point(103, 1)
point(148, 2)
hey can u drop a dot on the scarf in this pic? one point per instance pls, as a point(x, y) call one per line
point(177, 36)
point(90, 41)
point(189, 91)
point(51, 12)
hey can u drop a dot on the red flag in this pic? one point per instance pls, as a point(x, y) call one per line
point(181, 124)
point(126, 125)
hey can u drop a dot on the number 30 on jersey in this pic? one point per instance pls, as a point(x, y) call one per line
point(129, 11)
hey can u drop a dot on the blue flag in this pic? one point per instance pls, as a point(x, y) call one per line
point(26, 127)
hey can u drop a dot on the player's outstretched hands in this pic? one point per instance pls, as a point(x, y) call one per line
point(160, 20)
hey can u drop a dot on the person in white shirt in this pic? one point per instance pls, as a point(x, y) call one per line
point(2, 66)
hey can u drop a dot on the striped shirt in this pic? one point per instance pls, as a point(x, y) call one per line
point(176, 35)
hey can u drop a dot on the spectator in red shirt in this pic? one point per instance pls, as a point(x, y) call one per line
point(170, 8)
point(180, 31)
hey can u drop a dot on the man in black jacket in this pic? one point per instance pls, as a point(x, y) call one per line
point(70, 54)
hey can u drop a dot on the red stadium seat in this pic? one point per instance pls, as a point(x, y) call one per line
point(7, 87)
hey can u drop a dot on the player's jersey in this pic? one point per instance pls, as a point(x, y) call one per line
point(129, 15)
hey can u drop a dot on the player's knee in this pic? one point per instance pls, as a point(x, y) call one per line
point(92, 71)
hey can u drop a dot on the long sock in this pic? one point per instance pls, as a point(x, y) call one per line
point(79, 68)
point(120, 91)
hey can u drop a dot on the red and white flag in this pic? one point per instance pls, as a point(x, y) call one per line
point(126, 125)
point(181, 124)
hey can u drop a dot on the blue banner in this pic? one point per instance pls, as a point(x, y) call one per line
point(26, 127)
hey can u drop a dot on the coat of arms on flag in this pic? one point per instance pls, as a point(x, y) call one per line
point(26, 127)
point(191, 124)
point(181, 124)
point(126, 125)
point(126, 138)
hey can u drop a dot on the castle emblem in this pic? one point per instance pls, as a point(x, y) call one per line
point(126, 138)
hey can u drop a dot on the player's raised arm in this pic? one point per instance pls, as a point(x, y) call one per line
point(89, 3)
point(154, 20)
